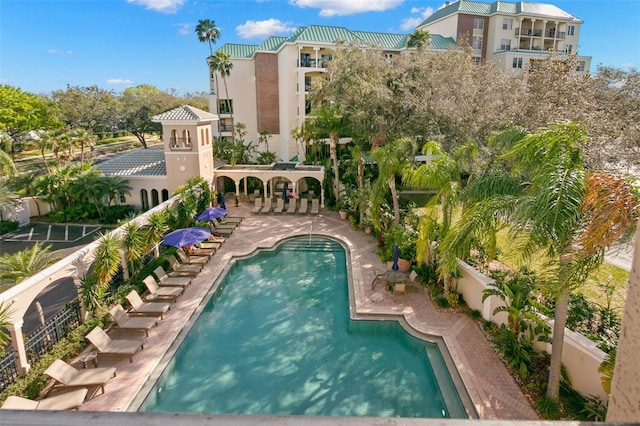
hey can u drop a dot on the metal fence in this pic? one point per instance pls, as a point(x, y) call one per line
point(40, 341)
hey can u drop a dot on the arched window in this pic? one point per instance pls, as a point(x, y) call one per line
point(165, 195)
point(173, 141)
point(186, 141)
point(144, 199)
point(154, 197)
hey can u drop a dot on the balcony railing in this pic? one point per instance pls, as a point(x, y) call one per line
point(313, 63)
point(226, 127)
point(553, 34)
point(529, 32)
point(179, 143)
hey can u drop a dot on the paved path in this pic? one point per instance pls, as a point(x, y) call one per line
point(493, 392)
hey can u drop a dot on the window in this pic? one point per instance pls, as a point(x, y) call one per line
point(581, 66)
point(571, 29)
point(225, 106)
point(476, 60)
point(476, 42)
point(388, 57)
point(507, 24)
point(307, 83)
point(517, 62)
point(505, 44)
point(568, 48)
point(478, 24)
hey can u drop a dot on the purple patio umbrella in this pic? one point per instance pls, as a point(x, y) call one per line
point(396, 255)
point(186, 237)
point(211, 213)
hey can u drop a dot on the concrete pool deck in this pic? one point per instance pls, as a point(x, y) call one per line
point(492, 390)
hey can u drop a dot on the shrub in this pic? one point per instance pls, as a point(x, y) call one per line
point(113, 214)
point(442, 301)
point(475, 314)
point(548, 408)
point(8, 226)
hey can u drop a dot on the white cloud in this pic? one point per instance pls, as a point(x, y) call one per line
point(262, 29)
point(163, 6)
point(60, 52)
point(119, 82)
point(412, 22)
point(349, 7)
point(184, 29)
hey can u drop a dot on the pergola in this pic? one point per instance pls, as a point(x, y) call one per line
point(292, 172)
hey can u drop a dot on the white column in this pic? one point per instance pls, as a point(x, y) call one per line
point(17, 341)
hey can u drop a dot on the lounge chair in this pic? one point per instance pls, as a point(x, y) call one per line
point(219, 225)
point(106, 345)
point(66, 376)
point(140, 307)
point(220, 230)
point(165, 280)
point(279, 206)
point(210, 245)
point(179, 270)
point(126, 322)
point(267, 206)
point(304, 205)
point(231, 219)
point(191, 260)
point(257, 207)
point(315, 206)
point(166, 293)
point(292, 206)
point(66, 401)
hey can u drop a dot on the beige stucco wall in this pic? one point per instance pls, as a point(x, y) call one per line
point(447, 27)
point(580, 356)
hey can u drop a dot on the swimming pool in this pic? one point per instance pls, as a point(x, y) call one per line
point(276, 338)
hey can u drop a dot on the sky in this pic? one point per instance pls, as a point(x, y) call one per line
point(46, 45)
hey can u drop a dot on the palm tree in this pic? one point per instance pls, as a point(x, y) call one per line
point(112, 188)
point(301, 136)
point(106, 261)
point(132, 243)
point(154, 230)
point(207, 32)
point(45, 142)
point(84, 138)
point(23, 264)
point(7, 167)
point(556, 208)
point(419, 39)
point(220, 62)
point(330, 121)
point(391, 159)
point(5, 313)
point(91, 294)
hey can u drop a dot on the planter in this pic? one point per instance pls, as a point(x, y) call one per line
point(404, 265)
point(343, 215)
point(367, 229)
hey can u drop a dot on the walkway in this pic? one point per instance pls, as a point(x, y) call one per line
point(493, 391)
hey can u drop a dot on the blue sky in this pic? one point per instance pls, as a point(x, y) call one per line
point(114, 44)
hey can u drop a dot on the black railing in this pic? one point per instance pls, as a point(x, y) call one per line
point(55, 329)
point(8, 368)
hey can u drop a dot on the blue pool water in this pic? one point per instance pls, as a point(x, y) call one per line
point(276, 338)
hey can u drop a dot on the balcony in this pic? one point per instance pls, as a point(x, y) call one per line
point(180, 144)
point(226, 128)
point(560, 35)
point(528, 32)
point(313, 63)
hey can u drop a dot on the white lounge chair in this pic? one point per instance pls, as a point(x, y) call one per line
point(106, 345)
point(257, 207)
point(140, 307)
point(66, 401)
point(168, 293)
point(179, 270)
point(66, 376)
point(127, 322)
point(165, 280)
point(304, 205)
point(315, 206)
point(191, 260)
point(292, 206)
point(279, 206)
point(267, 206)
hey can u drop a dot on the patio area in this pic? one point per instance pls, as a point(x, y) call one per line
point(492, 390)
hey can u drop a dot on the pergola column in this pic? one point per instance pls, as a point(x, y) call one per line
point(237, 182)
point(17, 341)
point(264, 184)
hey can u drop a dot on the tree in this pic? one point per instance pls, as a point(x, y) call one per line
point(554, 207)
point(154, 230)
point(220, 62)
point(23, 264)
point(391, 160)
point(207, 32)
point(137, 105)
point(132, 244)
point(329, 121)
point(83, 138)
point(419, 39)
point(90, 108)
point(106, 261)
point(20, 113)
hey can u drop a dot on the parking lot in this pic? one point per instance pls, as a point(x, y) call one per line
point(67, 237)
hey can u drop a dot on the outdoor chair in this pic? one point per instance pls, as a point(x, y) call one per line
point(231, 220)
point(126, 322)
point(315, 206)
point(304, 206)
point(225, 232)
point(267, 206)
point(165, 280)
point(106, 345)
point(65, 401)
point(179, 270)
point(168, 293)
point(219, 225)
point(66, 376)
point(191, 260)
point(209, 245)
point(140, 307)
point(257, 207)
point(292, 206)
point(279, 206)
point(412, 278)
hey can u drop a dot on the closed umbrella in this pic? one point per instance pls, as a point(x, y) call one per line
point(395, 257)
point(211, 213)
point(284, 192)
point(186, 237)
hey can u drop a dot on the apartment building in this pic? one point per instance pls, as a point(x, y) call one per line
point(514, 35)
point(269, 84)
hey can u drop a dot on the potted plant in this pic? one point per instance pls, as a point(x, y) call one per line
point(406, 243)
point(367, 224)
point(344, 207)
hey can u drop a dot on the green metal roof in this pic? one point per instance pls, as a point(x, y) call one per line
point(499, 7)
point(330, 35)
point(239, 50)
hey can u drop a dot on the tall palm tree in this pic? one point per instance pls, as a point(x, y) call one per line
point(301, 136)
point(329, 120)
point(207, 33)
point(220, 62)
point(154, 230)
point(132, 242)
point(391, 159)
point(557, 208)
point(106, 261)
point(83, 138)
